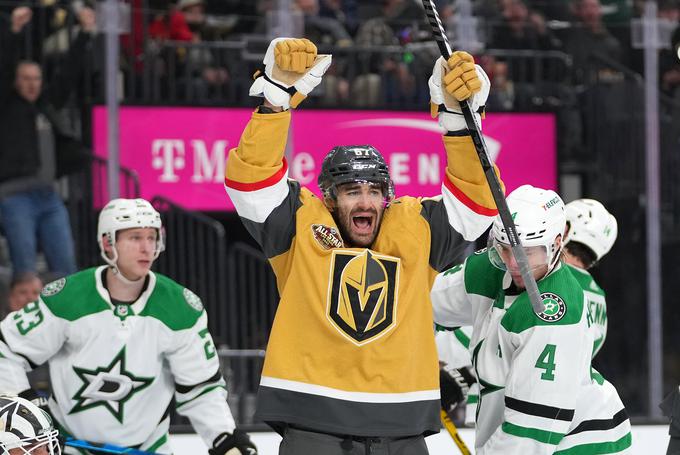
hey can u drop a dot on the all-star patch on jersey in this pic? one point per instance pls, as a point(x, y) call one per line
point(328, 237)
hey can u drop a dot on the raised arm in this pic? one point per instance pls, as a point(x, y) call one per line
point(10, 51)
point(466, 208)
point(71, 68)
point(256, 176)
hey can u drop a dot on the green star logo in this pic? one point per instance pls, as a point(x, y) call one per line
point(555, 308)
point(111, 387)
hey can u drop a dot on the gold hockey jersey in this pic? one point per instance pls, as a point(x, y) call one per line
point(352, 347)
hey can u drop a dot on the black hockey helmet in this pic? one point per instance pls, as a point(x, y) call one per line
point(354, 163)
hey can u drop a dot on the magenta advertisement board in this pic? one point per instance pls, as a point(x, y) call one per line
point(180, 153)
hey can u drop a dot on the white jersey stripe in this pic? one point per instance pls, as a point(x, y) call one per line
point(259, 204)
point(463, 219)
point(361, 397)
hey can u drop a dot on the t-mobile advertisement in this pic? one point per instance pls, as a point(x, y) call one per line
point(180, 153)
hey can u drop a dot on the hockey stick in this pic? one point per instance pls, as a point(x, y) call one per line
point(104, 448)
point(491, 178)
point(453, 432)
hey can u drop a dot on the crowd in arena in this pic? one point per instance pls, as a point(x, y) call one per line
point(180, 50)
point(204, 52)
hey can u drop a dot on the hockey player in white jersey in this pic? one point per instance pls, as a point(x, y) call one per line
point(538, 393)
point(26, 429)
point(122, 341)
point(591, 233)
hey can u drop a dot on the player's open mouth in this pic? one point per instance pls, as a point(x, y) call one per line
point(363, 224)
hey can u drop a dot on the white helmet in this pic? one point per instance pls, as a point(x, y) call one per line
point(120, 214)
point(539, 217)
point(592, 225)
point(26, 427)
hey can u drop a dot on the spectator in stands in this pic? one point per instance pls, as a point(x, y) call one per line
point(343, 11)
point(322, 30)
point(203, 78)
point(522, 28)
point(35, 149)
point(173, 24)
point(588, 38)
point(24, 289)
point(502, 97)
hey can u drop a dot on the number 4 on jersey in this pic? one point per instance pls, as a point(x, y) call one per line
point(546, 361)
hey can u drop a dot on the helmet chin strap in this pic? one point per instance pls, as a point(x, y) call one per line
point(113, 263)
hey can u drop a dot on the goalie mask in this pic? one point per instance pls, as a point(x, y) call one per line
point(539, 217)
point(354, 163)
point(26, 429)
point(592, 225)
point(120, 214)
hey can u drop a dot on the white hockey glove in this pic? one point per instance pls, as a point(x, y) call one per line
point(237, 443)
point(456, 80)
point(292, 69)
point(454, 385)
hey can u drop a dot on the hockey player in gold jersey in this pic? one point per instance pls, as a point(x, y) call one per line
point(351, 364)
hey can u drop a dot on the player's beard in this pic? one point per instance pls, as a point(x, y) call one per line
point(343, 219)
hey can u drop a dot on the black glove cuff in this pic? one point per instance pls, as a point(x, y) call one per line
point(226, 441)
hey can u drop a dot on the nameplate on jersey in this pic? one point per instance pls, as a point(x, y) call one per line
point(362, 294)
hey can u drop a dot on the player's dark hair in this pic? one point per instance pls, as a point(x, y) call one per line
point(582, 252)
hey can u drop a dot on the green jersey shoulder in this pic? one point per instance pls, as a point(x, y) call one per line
point(481, 276)
point(586, 280)
point(174, 305)
point(82, 294)
point(563, 300)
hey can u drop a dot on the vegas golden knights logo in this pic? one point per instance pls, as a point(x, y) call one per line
point(362, 299)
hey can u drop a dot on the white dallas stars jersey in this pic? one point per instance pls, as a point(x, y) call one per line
point(597, 305)
point(114, 368)
point(538, 394)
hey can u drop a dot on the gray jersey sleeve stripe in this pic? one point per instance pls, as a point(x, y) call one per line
point(447, 245)
point(276, 233)
point(601, 424)
point(539, 410)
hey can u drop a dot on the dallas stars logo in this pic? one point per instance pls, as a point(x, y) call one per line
point(555, 308)
point(111, 387)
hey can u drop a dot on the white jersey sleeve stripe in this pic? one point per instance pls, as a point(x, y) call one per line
point(470, 221)
point(257, 205)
